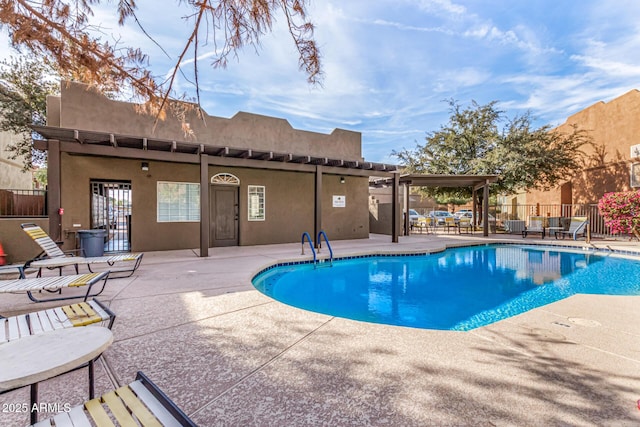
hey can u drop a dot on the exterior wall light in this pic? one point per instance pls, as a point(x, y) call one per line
point(342, 180)
point(145, 166)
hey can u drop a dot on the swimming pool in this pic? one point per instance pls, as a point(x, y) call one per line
point(457, 289)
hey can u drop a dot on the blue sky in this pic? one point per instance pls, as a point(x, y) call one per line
point(390, 64)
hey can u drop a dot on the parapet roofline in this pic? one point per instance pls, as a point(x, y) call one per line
point(153, 144)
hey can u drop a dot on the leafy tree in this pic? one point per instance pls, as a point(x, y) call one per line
point(481, 140)
point(61, 30)
point(41, 177)
point(24, 85)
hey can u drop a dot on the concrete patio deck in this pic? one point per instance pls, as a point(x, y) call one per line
point(230, 356)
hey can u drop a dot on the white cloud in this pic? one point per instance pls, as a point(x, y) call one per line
point(389, 64)
point(446, 6)
point(464, 77)
point(609, 67)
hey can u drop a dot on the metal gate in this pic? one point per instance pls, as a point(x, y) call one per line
point(111, 211)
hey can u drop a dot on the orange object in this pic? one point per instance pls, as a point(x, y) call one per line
point(3, 256)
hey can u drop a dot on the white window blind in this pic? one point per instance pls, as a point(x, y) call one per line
point(178, 202)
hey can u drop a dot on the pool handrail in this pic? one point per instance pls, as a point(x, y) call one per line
point(315, 259)
point(326, 239)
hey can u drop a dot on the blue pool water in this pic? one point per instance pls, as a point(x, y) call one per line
point(458, 289)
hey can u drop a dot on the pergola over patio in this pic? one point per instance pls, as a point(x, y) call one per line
point(474, 182)
point(93, 143)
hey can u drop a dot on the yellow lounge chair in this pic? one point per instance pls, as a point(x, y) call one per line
point(55, 284)
point(68, 316)
point(53, 257)
point(140, 403)
point(450, 222)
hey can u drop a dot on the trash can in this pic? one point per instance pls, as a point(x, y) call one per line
point(92, 242)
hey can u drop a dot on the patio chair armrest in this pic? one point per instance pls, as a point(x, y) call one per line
point(180, 417)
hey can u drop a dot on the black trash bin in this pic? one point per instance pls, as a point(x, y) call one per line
point(92, 242)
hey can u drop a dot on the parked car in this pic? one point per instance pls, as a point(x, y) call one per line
point(469, 215)
point(462, 212)
point(439, 216)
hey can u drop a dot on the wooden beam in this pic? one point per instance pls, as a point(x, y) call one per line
point(485, 210)
point(205, 220)
point(479, 186)
point(395, 209)
point(407, 221)
point(127, 153)
point(317, 216)
point(54, 192)
point(165, 156)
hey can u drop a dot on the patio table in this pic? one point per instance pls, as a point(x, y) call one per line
point(36, 358)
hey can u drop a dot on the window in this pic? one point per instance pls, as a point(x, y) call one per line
point(225, 179)
point(178, 202)
point(635, 175)
point(256, 203)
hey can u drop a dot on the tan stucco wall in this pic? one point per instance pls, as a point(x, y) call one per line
point(289, 195)
point(16, 243)
point(352, 221)
point(380, 216)
point(286, 216)
point(85, 109)
point(289, 202)
point(614, 127)
point(147, 234)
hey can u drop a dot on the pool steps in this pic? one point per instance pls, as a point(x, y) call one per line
point(319, 242)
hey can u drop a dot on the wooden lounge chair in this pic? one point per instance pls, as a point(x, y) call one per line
point(140, 403)
point(536, 225)
point(578, 225)
point(55, 284)
point(68, 316)
point(53, 257)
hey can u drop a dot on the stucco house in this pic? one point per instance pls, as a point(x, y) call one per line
point(612, 162)
point(247, 180)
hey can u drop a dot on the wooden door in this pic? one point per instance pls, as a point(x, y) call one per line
point(224, 215)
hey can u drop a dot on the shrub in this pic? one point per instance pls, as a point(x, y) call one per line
point(621, 212)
